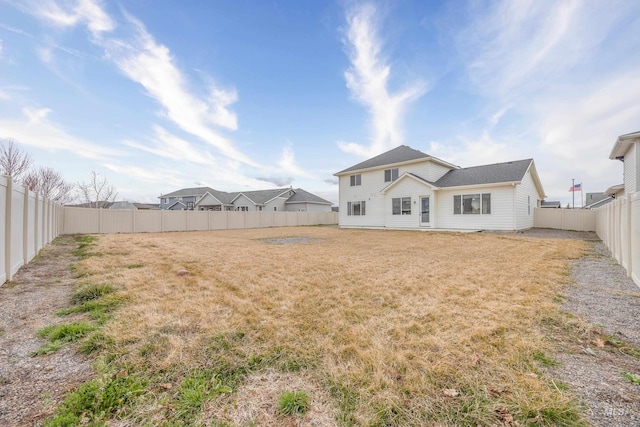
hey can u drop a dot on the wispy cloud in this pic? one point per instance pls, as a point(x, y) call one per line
point(368, 80)
point(151, 65)
point(86, 12)
point(554, 74)
point(35, 129)
point(139, 57)
point(165, 144)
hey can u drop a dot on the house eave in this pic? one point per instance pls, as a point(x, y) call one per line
point(313, 203)
point(491, 184)
point(622, 145)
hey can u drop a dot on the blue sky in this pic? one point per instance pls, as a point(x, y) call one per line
point(236, 95)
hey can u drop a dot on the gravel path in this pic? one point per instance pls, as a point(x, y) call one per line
point(30, 387)
point(604, 297)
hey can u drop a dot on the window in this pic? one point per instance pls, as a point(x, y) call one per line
point(275, 208)
point(390, 175)
point(401, 206)
point(355, 180)
point(190, 206)
point(486, 203)
point(529, 205)
point(472, 204)
point(242, 208)
point(356, 208)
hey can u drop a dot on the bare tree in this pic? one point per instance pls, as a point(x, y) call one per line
point(13, 161)
point(97, 191)
point(50, 184)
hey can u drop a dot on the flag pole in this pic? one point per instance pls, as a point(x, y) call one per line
point(573, 192)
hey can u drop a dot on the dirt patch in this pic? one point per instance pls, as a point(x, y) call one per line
point(32, 386)
point(290, 240)
point(256, 402)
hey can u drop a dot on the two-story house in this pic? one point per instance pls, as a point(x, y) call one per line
point(405, 188)
point(627, 150)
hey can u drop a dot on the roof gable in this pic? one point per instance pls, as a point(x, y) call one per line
point(486, 174)
point(260, 197)
point(302, 196)
point(408, 175)
point(401, 154)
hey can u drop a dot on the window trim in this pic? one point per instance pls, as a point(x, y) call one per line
point(392, 174)
point(484, 208)
point(401, 210)
point(362, 210)
point(355, 180)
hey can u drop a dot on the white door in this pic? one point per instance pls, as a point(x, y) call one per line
point(425, 212)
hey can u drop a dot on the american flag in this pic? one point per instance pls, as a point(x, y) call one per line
point(576, 187)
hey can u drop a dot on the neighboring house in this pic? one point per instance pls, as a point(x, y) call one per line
point(147, 206)
point(615, 191)
point(279, 199)
point(551, 204)
point(595, 200)
point(408, 189)
point(627, 150)
point(123, 205)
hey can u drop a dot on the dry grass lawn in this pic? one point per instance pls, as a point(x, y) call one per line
point(387, 328)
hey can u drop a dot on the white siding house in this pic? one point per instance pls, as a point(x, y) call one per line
point(627, 149)
point(408, 189)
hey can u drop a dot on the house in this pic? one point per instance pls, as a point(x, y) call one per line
point(627, 150)
point(405, 188)
point(595, 200)
point(551, 204)
point(279, 199)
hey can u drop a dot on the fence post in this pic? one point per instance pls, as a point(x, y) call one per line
point(25, 227)
point(7, 228)
point(629, 234)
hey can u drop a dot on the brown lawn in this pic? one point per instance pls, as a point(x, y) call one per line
point(378, 327)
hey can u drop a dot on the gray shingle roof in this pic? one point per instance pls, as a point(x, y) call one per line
point(302, 196)
point(223, 196)
point(186, 192)
point(399, 154)
point(486, 174)
point(260, 197)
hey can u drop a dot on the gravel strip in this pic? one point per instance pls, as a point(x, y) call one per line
point(30, 387)
point(605, 297)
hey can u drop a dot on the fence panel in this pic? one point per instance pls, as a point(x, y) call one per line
point(23, 220)
point(618, 225)
point(565, 219)
point(3, 223)
point(634, 235)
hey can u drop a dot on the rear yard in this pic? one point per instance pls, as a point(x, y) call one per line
point(311, 326)
point(367, 327)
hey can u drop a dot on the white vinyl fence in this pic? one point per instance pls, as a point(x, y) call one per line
point(27, 223)
point(94, 221)
point(565, 219)
point(618, 225)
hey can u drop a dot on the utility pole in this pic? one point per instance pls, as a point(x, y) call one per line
point(573, 191)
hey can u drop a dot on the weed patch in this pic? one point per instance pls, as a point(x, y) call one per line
point(293, 402)
point(60, 335)
point(97, 400)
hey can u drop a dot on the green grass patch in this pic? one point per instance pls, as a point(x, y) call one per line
point(85, 243)
point(132, 266)
point(632, 378)
point(294, 402)
point(545, 360)
point(98, 400)
point(196, 389)
point(91, 291)
point(60, 335)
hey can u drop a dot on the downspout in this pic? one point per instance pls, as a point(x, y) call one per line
point(515, 205)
